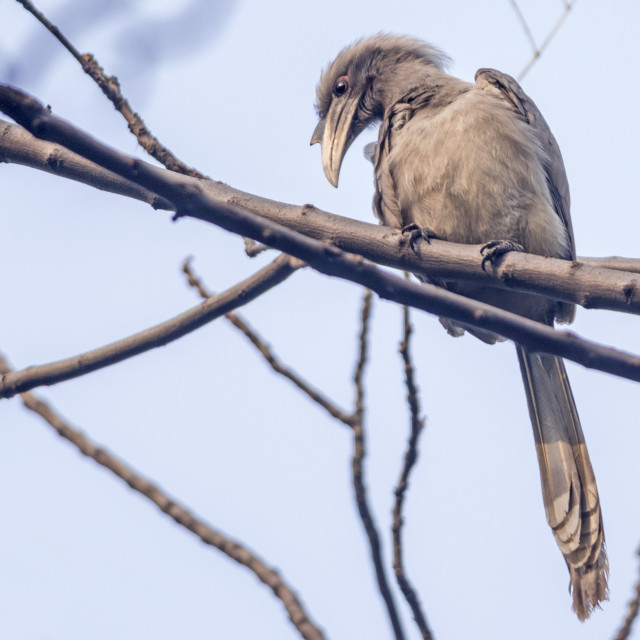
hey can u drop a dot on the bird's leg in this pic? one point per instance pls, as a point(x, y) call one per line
point(415, 233)
point(496, 248)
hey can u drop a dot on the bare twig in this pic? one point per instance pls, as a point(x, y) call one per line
point(271, 275)
point(252, 248)
point(198, 203)
point(177, 512)
point(582, 283)
point(537, 51)
point(111, 88)
point(632, 612)
point(237, 321)
point(525, 26)
point(359, 452)
point(410, 458)
point(362, 356)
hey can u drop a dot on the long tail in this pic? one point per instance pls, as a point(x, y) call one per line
point(568, 483)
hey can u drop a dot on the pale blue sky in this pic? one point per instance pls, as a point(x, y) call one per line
point(230, 89)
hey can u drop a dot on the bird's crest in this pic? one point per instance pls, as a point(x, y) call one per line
point(363, 55)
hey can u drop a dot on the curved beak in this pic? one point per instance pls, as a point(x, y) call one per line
point(335, 133)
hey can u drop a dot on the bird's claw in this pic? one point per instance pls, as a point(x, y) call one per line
point(497, 248)
point(415, 233)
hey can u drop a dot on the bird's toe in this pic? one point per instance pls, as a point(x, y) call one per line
point(497, 248)
point(415, 233)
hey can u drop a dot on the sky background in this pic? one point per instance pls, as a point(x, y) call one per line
point(229, 87)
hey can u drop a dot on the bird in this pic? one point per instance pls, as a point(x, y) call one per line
point(476, 163)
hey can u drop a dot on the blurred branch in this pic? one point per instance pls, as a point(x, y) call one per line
point(523, 23)
point(253, 248)
point(632, 613)
point(264, 349)
point(194, 201)
point(410, 458)
point(263, 280)
point(537, 51)
point(590, 283)
point(177, 512)
point(359, 452)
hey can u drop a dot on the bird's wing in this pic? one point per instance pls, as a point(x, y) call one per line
point(554, 166)
point(385, 203)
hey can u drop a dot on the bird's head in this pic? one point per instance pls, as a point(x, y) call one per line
point(357, 87)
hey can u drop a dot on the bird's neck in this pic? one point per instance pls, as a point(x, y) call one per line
point(410, 77)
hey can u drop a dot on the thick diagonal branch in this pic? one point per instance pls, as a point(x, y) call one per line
point(194, 201)
point(588, 282)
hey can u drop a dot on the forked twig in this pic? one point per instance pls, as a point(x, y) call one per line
point(537, 51)
point(237, 321)
point(177, 512)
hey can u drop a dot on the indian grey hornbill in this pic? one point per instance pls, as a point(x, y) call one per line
point(477, 163)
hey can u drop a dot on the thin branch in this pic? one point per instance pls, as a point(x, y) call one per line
point(264, 279)
point(264, 349)
point(410, 458)
point(537, 52)
point(111, 89)
point(632, 612)
point(524, 25)
point(196, 202)
point(357, 464)
point(582, 283)
point(362, 356)
point(180, 514)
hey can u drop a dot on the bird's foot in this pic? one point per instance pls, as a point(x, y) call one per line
point(415, 233)
point(497, 248)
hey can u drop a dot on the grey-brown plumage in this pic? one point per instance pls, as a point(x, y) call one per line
point(474, 163)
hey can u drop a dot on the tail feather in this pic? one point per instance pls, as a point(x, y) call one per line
point(569, 486)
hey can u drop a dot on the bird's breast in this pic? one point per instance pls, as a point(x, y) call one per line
point(472, 172)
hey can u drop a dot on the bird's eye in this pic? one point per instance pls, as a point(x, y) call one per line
point(341, 86)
